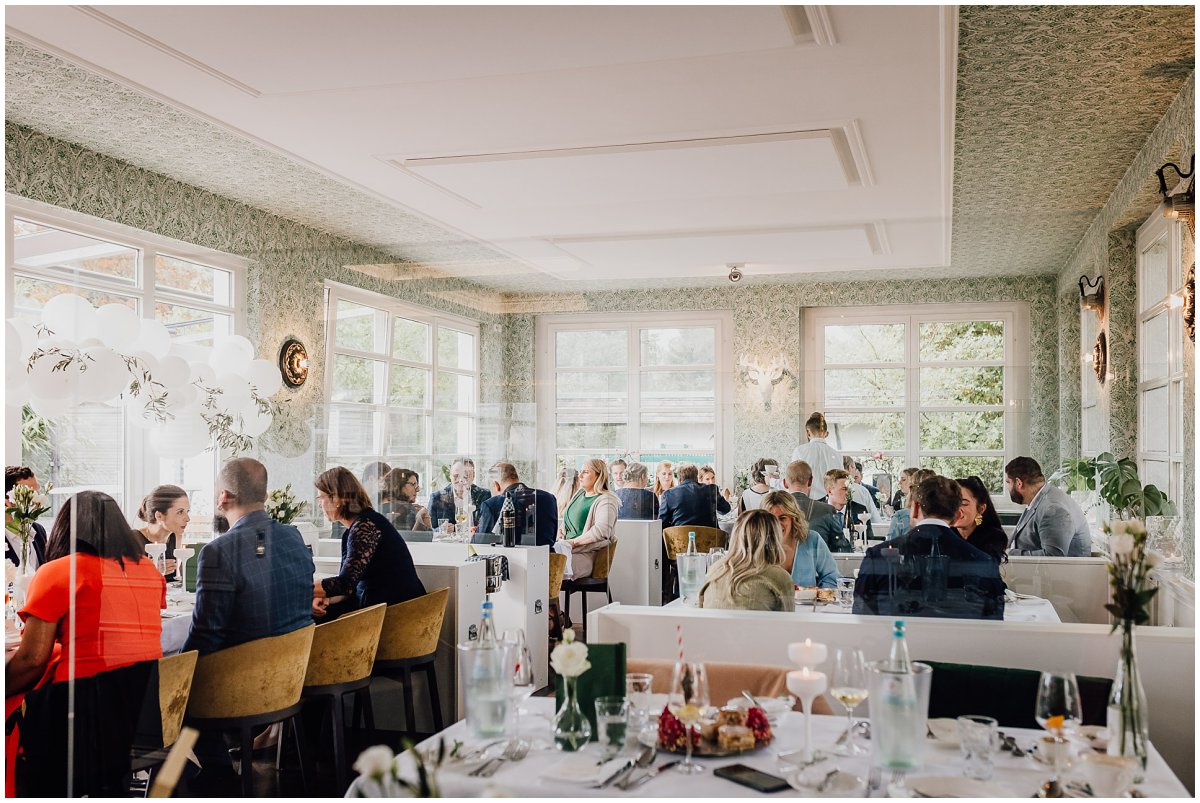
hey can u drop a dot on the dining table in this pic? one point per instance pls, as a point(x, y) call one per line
point(546, 772)
point(177, 619)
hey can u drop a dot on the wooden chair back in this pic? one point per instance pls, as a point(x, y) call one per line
point(344, 650)
point(707, 538)
point(254, 678)
point(175, 673)
point(558, 564)
point(603, 562)
point(726, 680)
point(411, 629)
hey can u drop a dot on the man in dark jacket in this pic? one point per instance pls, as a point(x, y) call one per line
point(690, 503)
point(537, 511)
point(832, 526)
point(442, 503)
point(930, 571)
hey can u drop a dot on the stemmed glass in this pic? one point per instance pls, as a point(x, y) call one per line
point(521, 667)
point(689, 703)
point(849, 687)
point(1057, 705)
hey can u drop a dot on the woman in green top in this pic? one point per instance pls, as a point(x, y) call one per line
point(587, 523)
point(750, 577)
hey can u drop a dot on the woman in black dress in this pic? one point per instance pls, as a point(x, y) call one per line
point(166, 511)
point(978, 522)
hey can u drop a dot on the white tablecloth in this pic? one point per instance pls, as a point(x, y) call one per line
point(1021, 776)
point(177, 620)
point(1025, 609)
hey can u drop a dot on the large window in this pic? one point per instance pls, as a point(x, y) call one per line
point(936, 386)
point(192, 292)
point(403, 384)
point(647, 387)
point(1160, 360)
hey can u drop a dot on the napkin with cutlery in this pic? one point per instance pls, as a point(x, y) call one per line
point(583, 769)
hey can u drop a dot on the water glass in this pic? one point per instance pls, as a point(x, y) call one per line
point(845, 592)
point(715, 555)
point(899, 705)
point(692, 569)
point(978, 739)
point(611, 714)
point(487, 689)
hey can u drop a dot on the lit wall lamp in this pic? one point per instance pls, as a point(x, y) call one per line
point(293, 363)
point(1180, 200)
point(1091, 294)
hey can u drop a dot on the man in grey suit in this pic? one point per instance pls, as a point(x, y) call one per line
point(1052, 525)
point(799, 479)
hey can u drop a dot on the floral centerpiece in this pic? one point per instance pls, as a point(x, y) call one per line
point(1129, 568)
point(570, 660)
point(283, 506)
point(380, 773)
point(22, 508)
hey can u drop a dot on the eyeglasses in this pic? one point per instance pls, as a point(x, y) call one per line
point(415, 482)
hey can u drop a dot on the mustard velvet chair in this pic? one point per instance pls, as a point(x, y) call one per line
point(249, 686)
point(340, 663)
point(558, 565)
point(596, 583)
point(675, 540)
point(174, 688)
point(409, 642)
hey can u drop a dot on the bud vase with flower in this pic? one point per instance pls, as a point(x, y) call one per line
point(572, 731)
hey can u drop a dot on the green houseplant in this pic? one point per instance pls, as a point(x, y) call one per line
point(1117, 483)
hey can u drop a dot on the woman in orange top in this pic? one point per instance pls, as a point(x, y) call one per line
point(115, 601)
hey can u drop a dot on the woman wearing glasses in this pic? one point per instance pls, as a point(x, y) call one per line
point(399, 493)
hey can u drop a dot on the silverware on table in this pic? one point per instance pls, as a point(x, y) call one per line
point(515, 751)
point(621, 773)
point(635, 782)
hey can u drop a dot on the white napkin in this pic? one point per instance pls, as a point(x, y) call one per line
point(563, 548)
point(584, 769)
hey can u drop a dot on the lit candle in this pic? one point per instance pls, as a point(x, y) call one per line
point(807, 653)
point(806, 684)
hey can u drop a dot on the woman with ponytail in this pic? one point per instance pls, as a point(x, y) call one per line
point(166, 511)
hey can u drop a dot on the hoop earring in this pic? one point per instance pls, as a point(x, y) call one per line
point(979, 520)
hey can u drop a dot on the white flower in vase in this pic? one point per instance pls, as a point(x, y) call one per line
point(569, 658)
point(375, 762)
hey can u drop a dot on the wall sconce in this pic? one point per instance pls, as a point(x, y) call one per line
point(1189, 303)
point(293, 363)
point(1091, 294)
point(1100, 358)
point(1180, 200)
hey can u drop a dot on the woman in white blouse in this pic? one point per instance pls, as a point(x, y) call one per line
point(752, 497)
point(819, 455)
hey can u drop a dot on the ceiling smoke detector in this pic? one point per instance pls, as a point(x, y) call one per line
point(735, 273)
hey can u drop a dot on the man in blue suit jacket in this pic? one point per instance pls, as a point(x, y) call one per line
point(931, 571)
point(256, 580)
point(537, 510)
point(689, 502)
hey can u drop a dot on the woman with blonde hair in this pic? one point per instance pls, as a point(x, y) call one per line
point(664, 478)
point(807, 559)
point(750, 577)
point(588, 520)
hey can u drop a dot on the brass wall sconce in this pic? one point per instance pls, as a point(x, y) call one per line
point(1091, 294)
point(1189, 303)
point(293, 363)
point(1100, 358)
point(1180, 200)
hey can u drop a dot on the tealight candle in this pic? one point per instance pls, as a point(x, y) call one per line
point(806, 684)
point(807, 653)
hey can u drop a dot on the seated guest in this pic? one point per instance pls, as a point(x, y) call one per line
point(752, 497)
point(399, 493)
point(113, 603)
point(808, 559)
point(707, 475)
point(256, 580)
point(376, 565)
point(750, 577)
point(167, 512)
point(691, 503)
point(372, 481)
point(832, 527)
point(1052, 525)
point(977, 520)
point(900, 500)
point(36, 548)
point(872, 490)
point(931, 571)
point(616, 472)
point(565, 488)
point(588, 523)
point(799, 478)
point(637, 501)
point(664, 478)
point(901, 519)
point(537, 510)
point(859, 492)
point(462, 491)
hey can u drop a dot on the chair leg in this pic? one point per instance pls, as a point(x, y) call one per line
point(369, 711)
point(298, 732)
point(583, 596)
point(608, 592)
point(247, 762)
point(410, 714)
point(279, 746)
point(567, 612)
point(339, 745)
point(435, 701)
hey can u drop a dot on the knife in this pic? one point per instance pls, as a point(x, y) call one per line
point(641, 779)
point(618, 775)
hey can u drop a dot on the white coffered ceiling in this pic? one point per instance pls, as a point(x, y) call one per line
point(573, 144)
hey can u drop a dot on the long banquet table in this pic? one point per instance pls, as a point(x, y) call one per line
point(1022, 609)
point(1021, 777)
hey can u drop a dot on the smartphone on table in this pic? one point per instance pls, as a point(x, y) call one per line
point(757, 780)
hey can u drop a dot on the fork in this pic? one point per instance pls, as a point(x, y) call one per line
point(516, 751)
point(507, 753)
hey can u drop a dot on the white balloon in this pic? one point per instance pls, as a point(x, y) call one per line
point(139, 416)
point(203, 373)
point(148, 362)
point(173, 371)
point(154, 338)
point(118, 326)
point(235, 393)
point(189, 351)
point(50, 408)
point(16, 393)
point(91, 342)
point(25, 332)
point(184, 436)
point(232, 354)
point(70, 316)
point(256, 423)
point(265, 377)
point(183, 399)
point(47, 383)
point(106, 375)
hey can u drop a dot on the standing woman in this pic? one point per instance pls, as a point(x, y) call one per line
point(819, 455)
point(978, 521)
point(587, 525)
point(376, 564)
point(399, 491)
point(664, 478)
point(167, 511)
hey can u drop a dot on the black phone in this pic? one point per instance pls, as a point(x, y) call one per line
point(748, 776)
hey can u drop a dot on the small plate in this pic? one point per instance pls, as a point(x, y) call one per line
point(953, 786)
point(945, 732)
point(844, 784)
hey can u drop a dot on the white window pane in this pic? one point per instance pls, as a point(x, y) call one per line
point(357, 380)
point(407, 433)
point(988, 469)
point(608, 348)
point(953, 386)
point(684, 390)
point(693, 429)
point(455, 392)
point(197, 476)
point(1155, 414)
point(1177, 418)
point(1155, 277)
point(1155, 347)
point(1156, 473)
point(967, 431)
point(409, 387)
point(195, 326)
point(456, 349)
point(1087, 339)
point(410, 340)
point(353, 431)
point(30, 295)
point(1093, 430)
point(869, 387)
point(452, 434)
point(585, 435)
point(574, 389)
point(856, 343)
point(962, 340)
point(678, 346)
point(83, 449)
point(360, 328)
point(212, 284)
point(37, 246)
point(866, 432)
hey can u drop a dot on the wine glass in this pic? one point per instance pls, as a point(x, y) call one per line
point(849, 687)
point(689, 702)
point(521, 667)
point(1057, 706)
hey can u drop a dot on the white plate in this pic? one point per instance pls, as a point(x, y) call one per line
point(773, 707)
point(806, 594)
point(583, 769)
point(844, 784)
point(955, 786)
point(945, 732)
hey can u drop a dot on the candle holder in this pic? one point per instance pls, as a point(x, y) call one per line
point(807, 684)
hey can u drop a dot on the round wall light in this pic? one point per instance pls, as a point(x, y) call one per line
point(293, 363)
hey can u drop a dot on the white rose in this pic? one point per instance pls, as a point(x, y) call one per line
point(570, 660)
point(1120, 545)
point(375, 762)
point(1135, 527)
point(1118, 527)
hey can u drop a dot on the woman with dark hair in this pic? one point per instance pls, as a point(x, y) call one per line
point(399, 491)
point(113, 604)
point(376, 565)
point(978, 521)
point(167, 512)
point(372, 480)
point(753, 496)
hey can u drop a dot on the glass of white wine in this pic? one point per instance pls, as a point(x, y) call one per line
point(849, 687)
point(689, 703)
